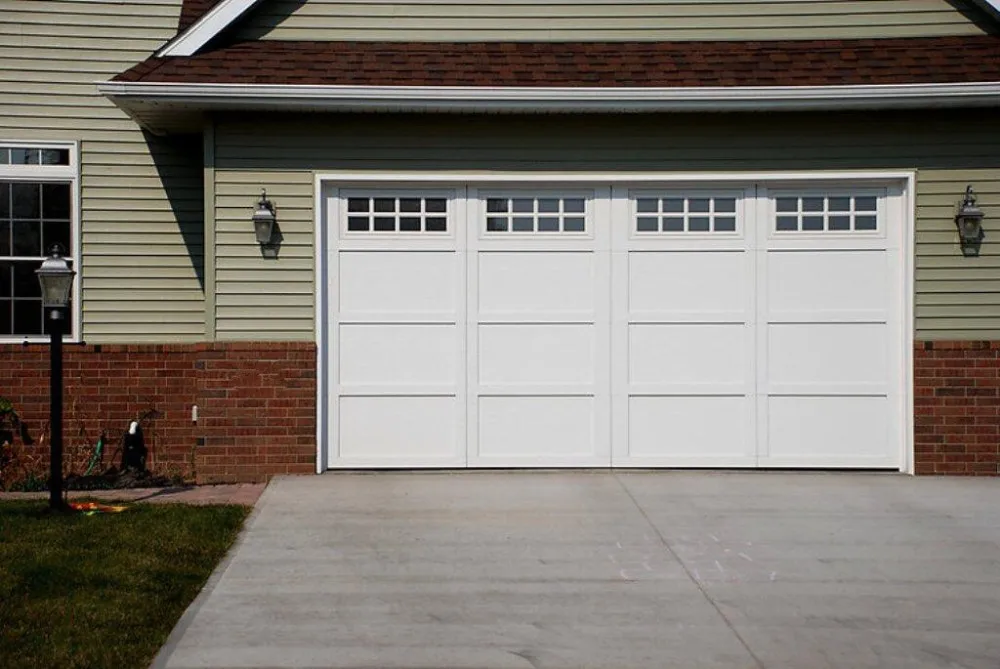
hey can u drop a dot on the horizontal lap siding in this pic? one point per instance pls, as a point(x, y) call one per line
point(261, 298)
point(957, 297)
point(601, 20)
point(141, 204)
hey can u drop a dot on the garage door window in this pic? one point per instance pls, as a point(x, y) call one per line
point(826, 213)
point(397, 214)
point(680, 214)
point(536, 214)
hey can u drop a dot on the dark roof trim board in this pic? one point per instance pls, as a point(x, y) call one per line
point(990, 7)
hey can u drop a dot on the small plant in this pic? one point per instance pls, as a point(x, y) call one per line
point(20, 468)
point(10, 422)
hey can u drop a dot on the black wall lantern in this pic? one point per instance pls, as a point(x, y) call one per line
point(263, 219)
point(970, 224)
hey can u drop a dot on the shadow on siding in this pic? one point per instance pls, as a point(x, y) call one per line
point(178, 160)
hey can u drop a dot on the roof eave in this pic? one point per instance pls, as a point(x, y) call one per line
point(142, 99)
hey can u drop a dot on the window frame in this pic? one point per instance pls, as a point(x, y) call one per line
point(571, 193)
point(52, 174)
point(347, 194)
point(814, 191)
point(695, 193)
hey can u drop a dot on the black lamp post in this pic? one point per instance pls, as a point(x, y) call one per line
point(56, 279)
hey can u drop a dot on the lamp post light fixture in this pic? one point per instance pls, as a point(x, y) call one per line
point(56, 279)
point(970, 224)
point(263, 219)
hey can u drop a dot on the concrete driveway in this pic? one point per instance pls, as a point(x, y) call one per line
point(601, 569)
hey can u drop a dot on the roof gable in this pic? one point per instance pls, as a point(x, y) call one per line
point(220, 15)
point(204, 20)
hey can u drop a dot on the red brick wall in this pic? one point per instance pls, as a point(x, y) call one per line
point(257, 404)
point(256, 401)
point(956, 423)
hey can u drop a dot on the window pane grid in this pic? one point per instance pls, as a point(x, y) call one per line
point(397, 214)
point(27, 155)
point(545, 214)
point(681, 214)
point(831, 213)
point(33, 216)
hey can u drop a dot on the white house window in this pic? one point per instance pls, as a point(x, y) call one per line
point(680, 214)
point(37, 190)
point(536, 214)
point(826, 213)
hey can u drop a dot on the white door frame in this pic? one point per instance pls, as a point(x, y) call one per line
point(325, 182)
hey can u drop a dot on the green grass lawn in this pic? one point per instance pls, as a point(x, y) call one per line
point(104, 590)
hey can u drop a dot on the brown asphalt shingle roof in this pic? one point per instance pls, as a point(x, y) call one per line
point(590, 64)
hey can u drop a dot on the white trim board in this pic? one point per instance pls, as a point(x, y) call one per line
point(134, 96)
point(204, 29)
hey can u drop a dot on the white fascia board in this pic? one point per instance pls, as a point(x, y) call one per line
point(204, 29)
point(537, 99)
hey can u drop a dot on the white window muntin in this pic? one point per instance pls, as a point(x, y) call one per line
point(434, 209)
point(827, 212)
point(533, 214)
point(688, 213)
point(41, 173)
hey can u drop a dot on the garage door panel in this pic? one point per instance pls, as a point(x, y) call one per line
point(400, 431)
point(827, 285)
point(817, 355)
point(706, 354)
point(828, 432)
point(533, 353)
point(536, 283)
point(396, 282)
point(416, 355)
point(537, 428)
point(693, 431)
point(677, 283)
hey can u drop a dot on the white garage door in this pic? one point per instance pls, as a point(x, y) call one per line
point(686, 326)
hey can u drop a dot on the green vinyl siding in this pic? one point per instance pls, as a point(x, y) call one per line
point(956, 297)
point(543, 20)
point(141, 196)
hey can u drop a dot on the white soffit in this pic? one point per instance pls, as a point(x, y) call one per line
point(204, 29)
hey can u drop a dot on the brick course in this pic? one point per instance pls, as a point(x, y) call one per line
point(956, 401)
point(257, 404)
